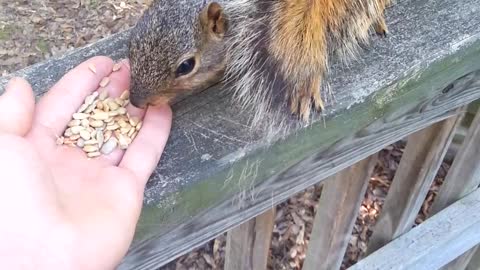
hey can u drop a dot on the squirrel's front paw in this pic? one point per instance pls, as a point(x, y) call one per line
point(301, 101)
point(381, 27)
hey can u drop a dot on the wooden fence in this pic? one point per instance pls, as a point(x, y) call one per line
point(219, 175)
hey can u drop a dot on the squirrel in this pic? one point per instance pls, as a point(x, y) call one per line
point(275, 53)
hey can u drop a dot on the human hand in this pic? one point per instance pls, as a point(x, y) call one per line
point(59, 209)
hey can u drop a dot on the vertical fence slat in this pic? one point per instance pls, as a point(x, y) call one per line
point(462, 178)
point(462, 261)
point(475, 262)
point(248, 244)
point(420, 161)
point(337, 211)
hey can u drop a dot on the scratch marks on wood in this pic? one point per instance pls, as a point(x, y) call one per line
point(219, 134)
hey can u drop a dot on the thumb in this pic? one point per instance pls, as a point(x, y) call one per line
point(16, 107)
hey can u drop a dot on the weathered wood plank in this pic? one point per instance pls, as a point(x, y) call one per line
point(433, 243)
point(248, 245)
point(341, 197)
point(420, 161)
point(209, 178)
point(462, 178)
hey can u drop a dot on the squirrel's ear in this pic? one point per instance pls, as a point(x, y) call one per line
point(213, 19)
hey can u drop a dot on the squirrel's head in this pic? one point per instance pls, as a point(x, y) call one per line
point(175, 49)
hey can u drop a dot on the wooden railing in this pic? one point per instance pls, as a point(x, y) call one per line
point(219, 175)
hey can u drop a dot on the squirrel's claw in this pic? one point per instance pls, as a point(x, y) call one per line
point(301, 101)
point(381, 27)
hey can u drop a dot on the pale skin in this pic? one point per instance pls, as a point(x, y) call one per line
point(59, 209)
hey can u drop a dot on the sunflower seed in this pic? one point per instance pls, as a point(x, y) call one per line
point(125, 95)
point(92, 68)
point(94, 154)
point(74, 123)
point(100, 116)
point(122, 123)
point(116, 67)
point(80, 116)
point(90, 148)
point(134, 121)
point(113, 105)
point(68, 132)
point(60, 140)
point(113, 113)
point(107, 135)
point(115, 126)
point(133, 135)
point(85, 135)
point(119, 101)
point(80, 143)
point(121, 110)
point(82, 108)
point(99, 138)
point(96, 123)
point(90, 108)
point(89, 99)
point(76, 129)
point(124, 141)
point(103, 95)
point(91, 142)
point(104, 82)
point(85, 123)
point(74, 137)
point(130, 133)
point(125, 130)
point(109, 146)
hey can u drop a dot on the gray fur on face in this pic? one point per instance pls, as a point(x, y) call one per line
point(155, 50)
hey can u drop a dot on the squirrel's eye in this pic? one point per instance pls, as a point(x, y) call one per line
point(185, 67)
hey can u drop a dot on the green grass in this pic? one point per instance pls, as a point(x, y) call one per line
point(6, 31)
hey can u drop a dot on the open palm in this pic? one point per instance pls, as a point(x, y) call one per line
point(61, 210)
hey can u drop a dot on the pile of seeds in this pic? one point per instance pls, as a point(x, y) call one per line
point(101, 124)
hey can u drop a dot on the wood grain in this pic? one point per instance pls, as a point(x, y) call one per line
point(434, 242)
point(248, 245)
point(337, 211)
point(420, 162)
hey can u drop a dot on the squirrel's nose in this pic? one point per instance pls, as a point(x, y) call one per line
point(138, 102)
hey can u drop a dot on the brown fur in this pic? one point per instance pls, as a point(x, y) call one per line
point(299, 42)
point(294, 40)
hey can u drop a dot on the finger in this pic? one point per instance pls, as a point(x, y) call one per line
point(16, 107)
point(143, 154)
point(55, 108)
